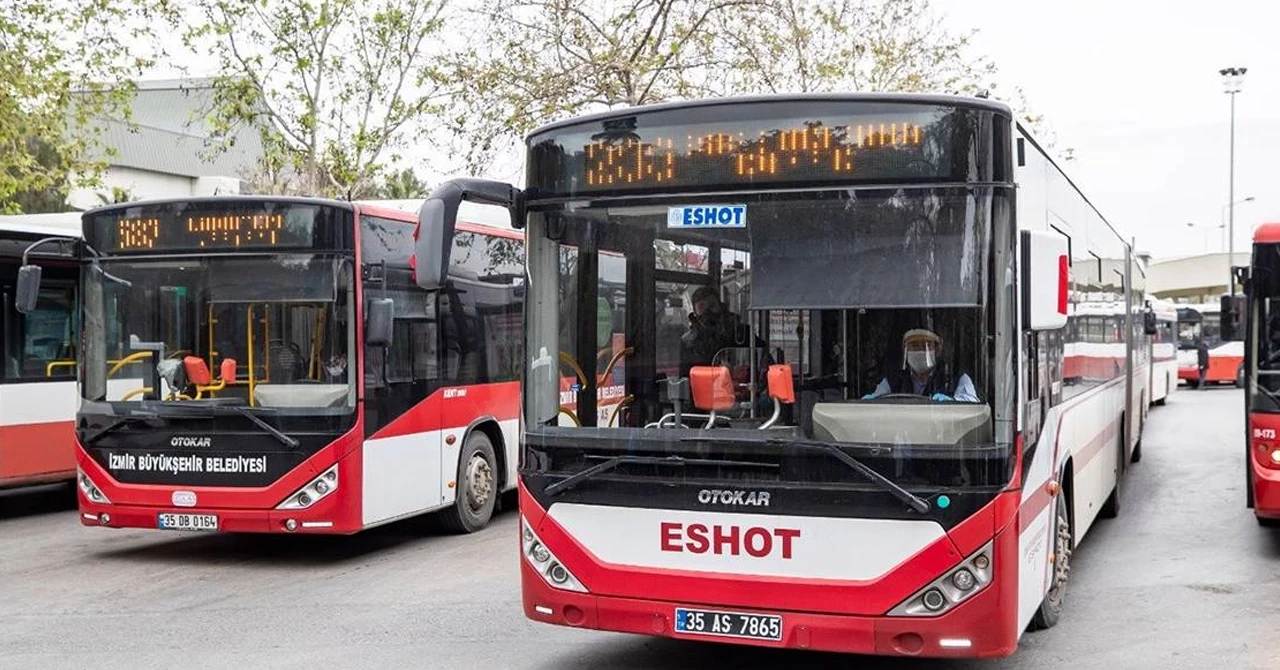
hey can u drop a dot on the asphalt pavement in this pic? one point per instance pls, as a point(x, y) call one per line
point(1184, 578)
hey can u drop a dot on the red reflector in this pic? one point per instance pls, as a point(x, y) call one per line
point(1062, 284)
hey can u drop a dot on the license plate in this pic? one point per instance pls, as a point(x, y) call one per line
point(729, 624)
point(187, 522)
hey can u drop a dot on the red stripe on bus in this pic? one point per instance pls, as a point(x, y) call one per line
point(456, 407)
point(39, 451)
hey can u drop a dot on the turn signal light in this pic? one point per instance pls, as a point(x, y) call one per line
point(1268, 455)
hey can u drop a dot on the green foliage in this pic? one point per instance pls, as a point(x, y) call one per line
point(65, 65)
point(403, 185)
point(536, 61)
point(333, 86)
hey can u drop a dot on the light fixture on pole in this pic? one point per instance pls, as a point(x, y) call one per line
point(1206, 230)
point(1232, 81)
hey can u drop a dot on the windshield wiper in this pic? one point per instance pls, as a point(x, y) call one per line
point(609, 464)
point(119, 422)
point(834, 449)
point(285, 439)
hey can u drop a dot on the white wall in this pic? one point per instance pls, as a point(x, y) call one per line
point(147, 185)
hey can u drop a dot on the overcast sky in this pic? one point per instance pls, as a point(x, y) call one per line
point(1133, 87)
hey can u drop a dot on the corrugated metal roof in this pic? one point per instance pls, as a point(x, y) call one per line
point(170, 133)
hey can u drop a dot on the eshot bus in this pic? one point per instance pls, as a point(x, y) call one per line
point(1164, 349)
point(37, 353)
point(767, 493)
point(263, 364)
point(1262, 375)
point(1203, 322)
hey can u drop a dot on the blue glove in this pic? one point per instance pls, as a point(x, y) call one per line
point(941, 397)
point(869, 396)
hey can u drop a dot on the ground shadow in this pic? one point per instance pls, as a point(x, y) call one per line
point(36, 500)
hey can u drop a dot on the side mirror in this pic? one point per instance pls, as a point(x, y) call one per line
point(1044, 280)
point(1231, 308)
point(379, 314)
point(1149, 322)
point(438, 217)
point(28, 293)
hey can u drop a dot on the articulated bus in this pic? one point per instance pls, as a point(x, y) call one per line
point(780, 472)
point(38, 368)
point(1262, 375)
point(1203, 322)
point(1164, 349)
point(264, 364)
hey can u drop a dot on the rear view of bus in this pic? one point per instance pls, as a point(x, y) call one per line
point(1262, 375)
point(266, 365)
point(795, 376)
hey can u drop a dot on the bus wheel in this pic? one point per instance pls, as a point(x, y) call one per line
point(1248, 480)
point(1193, 383)
point(477, 486)
point(1111, 507)
point(1240, 377)
point(1050, 609)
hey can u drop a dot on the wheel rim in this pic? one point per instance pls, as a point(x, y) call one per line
point(479, 482)
point(1062, 557)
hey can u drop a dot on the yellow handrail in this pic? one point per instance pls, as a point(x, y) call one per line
point(249, 325)
point(48, 369)
point(130, 394)
point(626, 400)
point(131, 358)
point(572, 416)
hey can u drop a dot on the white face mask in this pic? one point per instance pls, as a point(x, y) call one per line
point(920, 362)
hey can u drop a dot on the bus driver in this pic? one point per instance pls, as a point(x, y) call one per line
point(920, 375)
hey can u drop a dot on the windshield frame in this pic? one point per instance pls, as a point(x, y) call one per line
point(541, 319)
point(99, 274)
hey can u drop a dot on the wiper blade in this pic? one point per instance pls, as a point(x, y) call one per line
point(119, 422)
point(609, 464)
point(285, 439)
point(834, 449)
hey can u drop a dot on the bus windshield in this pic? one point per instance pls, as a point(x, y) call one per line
point(285, 319)
point(877, 299)
point(1264, 320)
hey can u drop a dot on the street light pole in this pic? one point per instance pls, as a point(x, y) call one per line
point(1232, 79)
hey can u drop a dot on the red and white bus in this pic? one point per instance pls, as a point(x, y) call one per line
point(1164, 349)
point(1203, 322)
point(1262, 375)
point(264, 364)
point(755, 487)
point(37, 356)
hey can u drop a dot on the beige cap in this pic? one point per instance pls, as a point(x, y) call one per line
point(921, 334)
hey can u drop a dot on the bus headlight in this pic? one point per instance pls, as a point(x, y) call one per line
point(89, 489)
point(956, 586)
point(548, 566)
point(316, 489)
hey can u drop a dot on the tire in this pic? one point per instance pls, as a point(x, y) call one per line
point(1111, 508)
point(477, 486)
point(1050, 609)
point(1268, 523)
point(1248, 479)
point(1160, 402)
point(1240, 377)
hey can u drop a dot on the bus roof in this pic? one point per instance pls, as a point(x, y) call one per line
point(911, 98)
point(342, 204)
point(57, 223)
point(1267, 233)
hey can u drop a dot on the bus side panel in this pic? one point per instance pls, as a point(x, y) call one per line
point(401, 465)
point(1034, 515)
point(37, 438)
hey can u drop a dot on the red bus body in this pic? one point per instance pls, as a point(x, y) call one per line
point(399, 455)
point(37, 364)
point(1262, 447)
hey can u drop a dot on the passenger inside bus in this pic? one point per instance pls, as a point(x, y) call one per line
point(712, 327)
point(923, 372)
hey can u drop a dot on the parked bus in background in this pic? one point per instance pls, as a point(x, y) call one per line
point(856, 437)
point(268, 364)
point(1164, 349)
point(1262, 375)
point(37, 358)
point(1203, 322)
